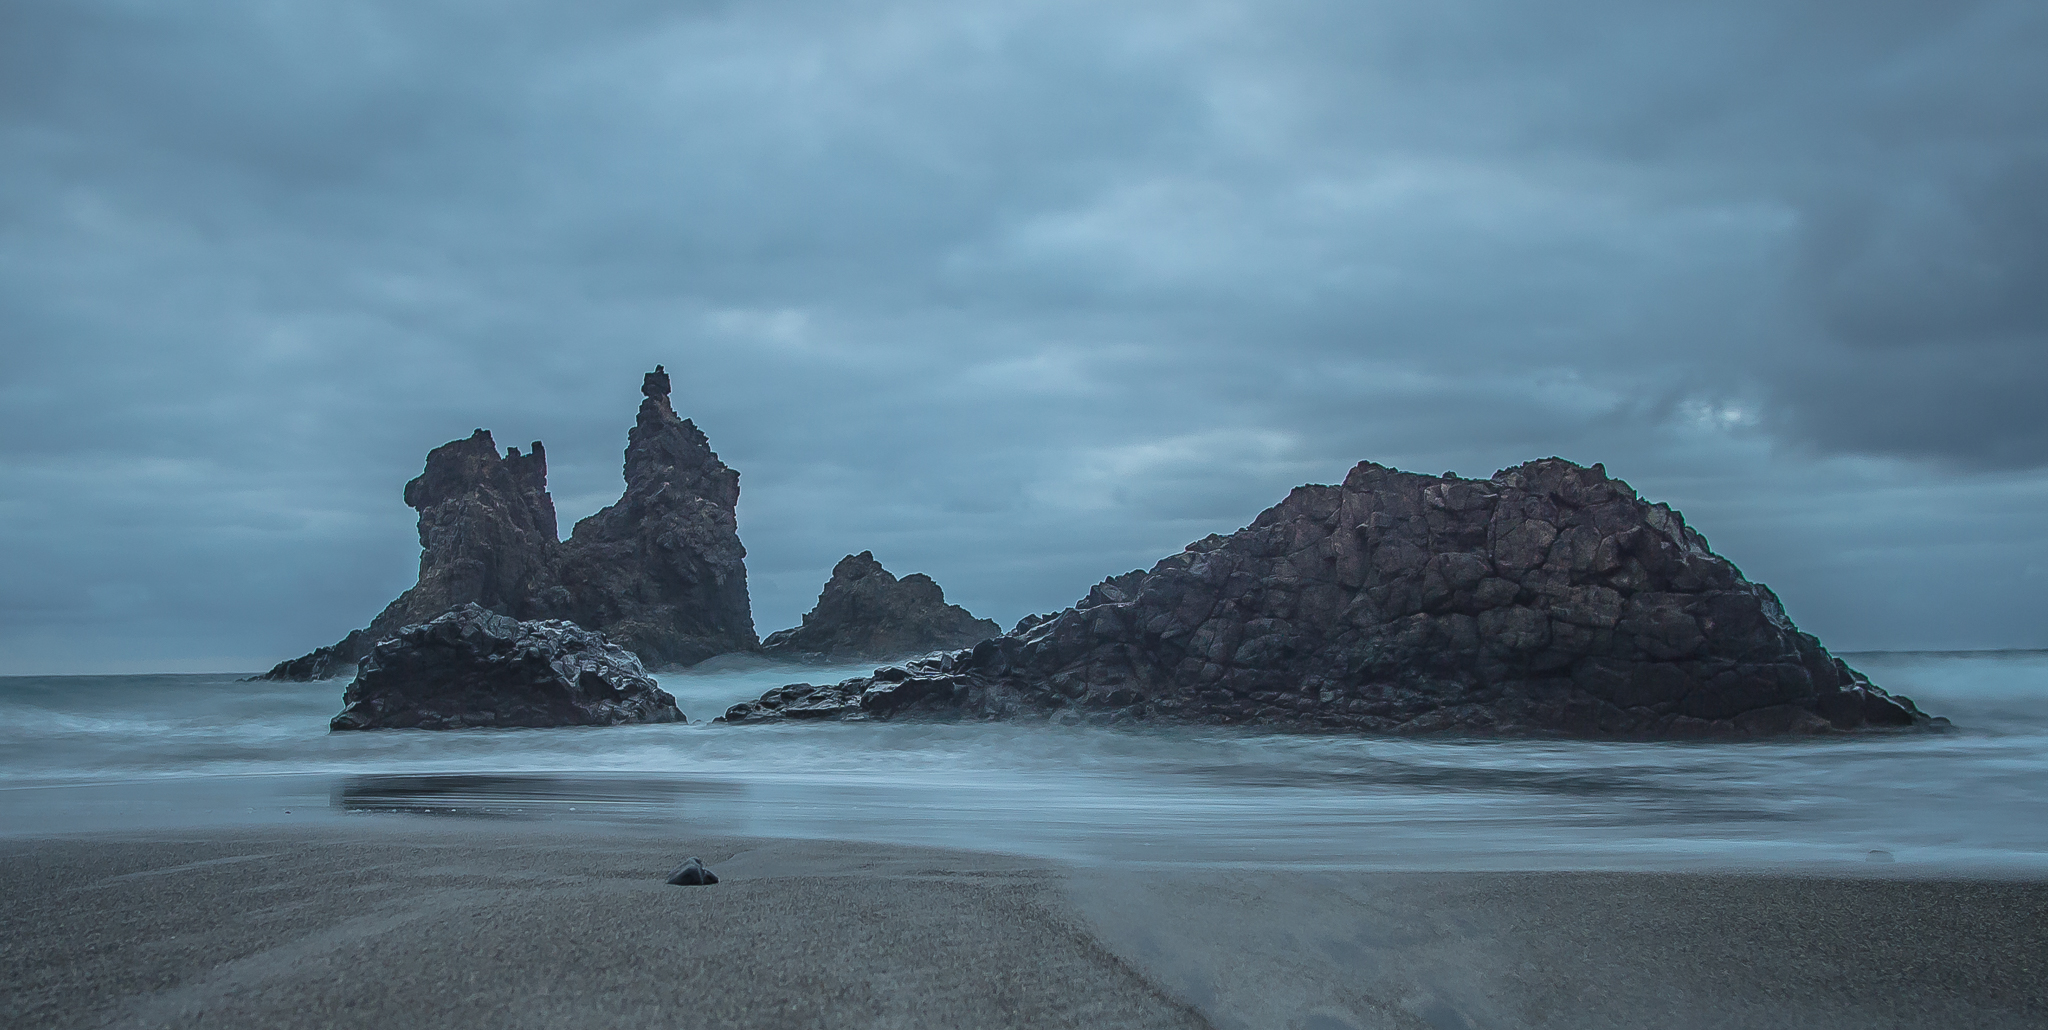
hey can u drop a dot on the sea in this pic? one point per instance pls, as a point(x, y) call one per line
point(194, 752)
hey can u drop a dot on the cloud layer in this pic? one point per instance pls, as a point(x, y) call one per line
point(1018, 295)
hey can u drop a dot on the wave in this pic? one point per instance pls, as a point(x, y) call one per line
point(94, 752)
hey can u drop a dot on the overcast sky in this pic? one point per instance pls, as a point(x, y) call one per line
point(1015, 294)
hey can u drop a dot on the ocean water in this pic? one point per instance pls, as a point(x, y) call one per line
point(81, 753)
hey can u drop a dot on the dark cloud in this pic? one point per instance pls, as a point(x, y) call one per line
point(1017, 295)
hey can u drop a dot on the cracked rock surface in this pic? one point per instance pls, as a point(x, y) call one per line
point(1547, 600)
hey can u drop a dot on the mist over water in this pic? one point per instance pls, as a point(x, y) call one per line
point(113, 752)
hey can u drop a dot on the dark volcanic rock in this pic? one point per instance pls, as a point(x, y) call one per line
point(473, 667)
point(662, 571)
point(864, 612)
point(322, 663)
point(487, 536)
point(1549, 599)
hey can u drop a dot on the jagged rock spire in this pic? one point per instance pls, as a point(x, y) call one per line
point(661, 572)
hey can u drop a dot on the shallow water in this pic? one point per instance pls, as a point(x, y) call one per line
point(112, 752)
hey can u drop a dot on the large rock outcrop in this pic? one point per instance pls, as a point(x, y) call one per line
point(662, 571)
point(866, 612)
point(1549, 599)
point(473, 667)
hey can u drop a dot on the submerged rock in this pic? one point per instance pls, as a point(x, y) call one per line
point(473, 667)
point(662, 571)
point(1547, 600)
point(865, 612)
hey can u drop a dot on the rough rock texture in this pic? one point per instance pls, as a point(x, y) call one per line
point(865, 612)
point(1549, 599)
point(473, 667)
point(662, 571)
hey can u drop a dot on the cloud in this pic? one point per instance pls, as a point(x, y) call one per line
point(1014, 294)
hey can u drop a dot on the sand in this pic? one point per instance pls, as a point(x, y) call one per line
point(411, 922)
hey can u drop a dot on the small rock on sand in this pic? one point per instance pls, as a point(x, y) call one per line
point(692, 874)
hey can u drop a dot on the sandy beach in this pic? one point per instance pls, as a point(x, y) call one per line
point(459, 923)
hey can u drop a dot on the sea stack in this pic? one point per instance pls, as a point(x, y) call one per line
point(661, 572)
point(1546, 600)
point(866, 612)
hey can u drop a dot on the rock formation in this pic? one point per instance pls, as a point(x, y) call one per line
point(473, 667)
point(865, 612)
point(1547, 600)
point(662, 571)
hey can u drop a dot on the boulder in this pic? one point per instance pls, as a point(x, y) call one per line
point(865, 612)
point(473, 667)
point(1547, 600)
point(661, 572)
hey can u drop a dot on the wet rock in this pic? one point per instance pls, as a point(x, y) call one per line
point(472, 667)
point(661, 572)
point(865, 612)
point(1546, 600)
point(692, 874)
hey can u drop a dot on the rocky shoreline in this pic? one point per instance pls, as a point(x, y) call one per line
point(866, 612)
point(1546, 600)
point(662, 572)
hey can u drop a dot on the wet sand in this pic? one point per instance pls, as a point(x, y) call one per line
point(412, 923)
point(1580, 951)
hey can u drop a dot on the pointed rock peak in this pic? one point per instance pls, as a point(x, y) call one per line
point(655, 384)
point(662, 571)
point(664, 450)
point(860, 566)
point(454, 468)
point(865, 612)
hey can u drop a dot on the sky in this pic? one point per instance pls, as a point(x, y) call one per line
point(1016, 294)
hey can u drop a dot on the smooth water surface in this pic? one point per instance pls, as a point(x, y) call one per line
point(110, 752)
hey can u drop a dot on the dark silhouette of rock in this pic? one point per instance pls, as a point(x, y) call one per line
point(1547, 600)
point(322, 663)
point(655, 383)
point(692, 874)
point(662, 571)
point(864, 612)
point(473, 667)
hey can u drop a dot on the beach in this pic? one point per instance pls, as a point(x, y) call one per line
point(409, 921)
